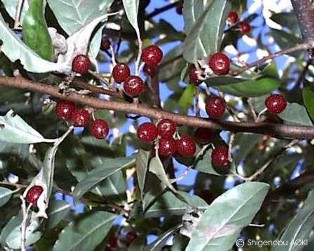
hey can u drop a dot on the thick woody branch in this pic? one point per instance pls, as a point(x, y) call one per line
point(304, 10)
point(276, 130)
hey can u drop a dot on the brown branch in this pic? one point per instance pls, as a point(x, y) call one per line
point(276, 130)
point(304, 10)
point(299, 47)
point(162, 9)
point(289, 187)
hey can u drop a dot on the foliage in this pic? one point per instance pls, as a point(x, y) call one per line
point(119, 193)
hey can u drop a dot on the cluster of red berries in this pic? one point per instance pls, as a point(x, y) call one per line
point(67, 110)
point(133, 85)
point(233, 19)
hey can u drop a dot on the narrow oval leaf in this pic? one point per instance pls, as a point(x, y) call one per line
point(296, 114)
point(57, 211)
point(10, 7)
point(79, 12)
point(99, 174)
point(15, 50)
point(299, 228)
point(86, 233)
point(156, 167)
point(308, 99)
point(131, 10)
point(142, 159)
point(35, 30)
point(203, 163)
point(187, 97)
point(14, 129)
point(5, 195)
point(247, 88)
point(204, 38)
point(220, 228)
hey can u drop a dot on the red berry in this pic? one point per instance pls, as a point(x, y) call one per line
point(99, 129)
point(33, 194)
point(215, 107)
point(64, 109)
point(133, 86)
point(167, 146)
point(244, 27)
point(219, 63)
point(166, 128)
point(219, 156)
point(80, 117)
point(105, 44)
point(130, 236)
point(147, 132)
point(193, 75)
point(275, 103)
point(81, 64)
point(112, 243)
point(186, 146)
point(149, 70)
point(120, 72)
point(152, 55)
point(205, 135)
point(232, 17)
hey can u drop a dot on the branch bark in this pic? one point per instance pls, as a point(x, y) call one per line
point(304, 10)
point(276, 130)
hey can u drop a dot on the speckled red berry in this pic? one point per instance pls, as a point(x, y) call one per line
point(105, 44)
point(64, 109)
point(152, 55)
point(215, 107)
point(166, 128)
point(275, 103)
point(219, 156)
point(232, 17)
point(245, 27)
point(186, 146)
point(120, 72)
point(147, 132)
point(193, 75)
point(219, 63)
point(205, 135)
point(167, 146)
point(80, 117)
point(99, 129)
point(33, 194)
point(149, 70)
point(133, 86)
point(81, 64)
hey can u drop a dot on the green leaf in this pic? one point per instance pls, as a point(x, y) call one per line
point(99, 174)
point(250, 88)
point(57, 211)
point(295, 114)
point(169, 204)
point(308, 99)
point(299, 227)
point(157, 168)
point(5, 195)
point(79, 12)
point(35, 30)
point(244, 87)
point(186, 99)
point(14, 129)
point(11, 233)
point(204, 164)
point(131, 10)
point(86, 233)
point(220, 228)
point(142, 159)
point(10, 7)
point(15, 49)
point(204, 38)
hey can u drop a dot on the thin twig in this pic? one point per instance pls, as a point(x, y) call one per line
point(299, 47)
point(162, 9)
